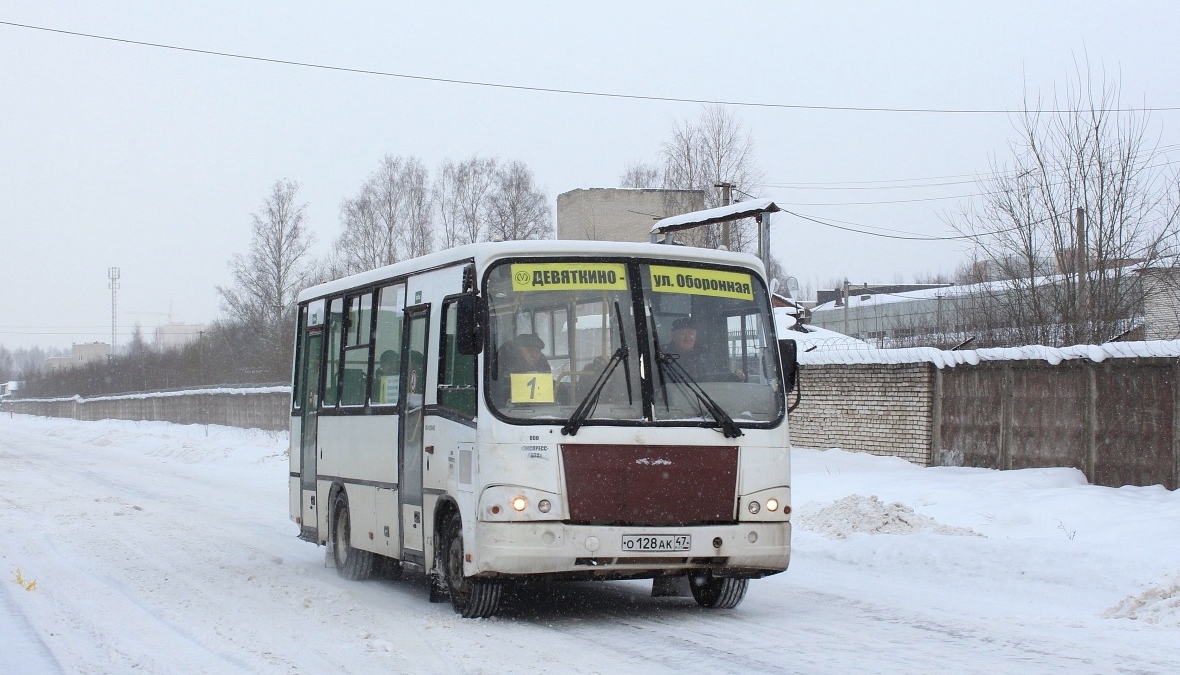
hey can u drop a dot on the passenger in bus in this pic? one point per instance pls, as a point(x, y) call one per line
point(522, 354)
point(387, 366)
point(683, 347)
point(525, 355)
point(694, 360)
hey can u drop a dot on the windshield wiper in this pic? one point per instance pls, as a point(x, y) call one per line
point(586, 407)
point(680, 376)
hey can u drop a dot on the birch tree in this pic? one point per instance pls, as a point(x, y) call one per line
point(461, 195)
point(268, 277)
point(517, 208)
point(390, 218)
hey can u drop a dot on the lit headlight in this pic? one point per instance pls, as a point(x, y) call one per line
point(772, 504)
point(754, 507)
point(519, 503)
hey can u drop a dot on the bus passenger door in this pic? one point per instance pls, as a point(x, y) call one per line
point(414, 362)
point(310, 378)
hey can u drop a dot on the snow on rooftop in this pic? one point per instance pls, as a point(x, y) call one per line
point(719, 214)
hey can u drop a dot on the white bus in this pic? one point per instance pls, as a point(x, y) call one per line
point(535, 411)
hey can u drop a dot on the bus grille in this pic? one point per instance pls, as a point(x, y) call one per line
point(657, 485)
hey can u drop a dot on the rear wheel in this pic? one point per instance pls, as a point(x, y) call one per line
point(472, 598)
point(718, 592)
point(351, 563)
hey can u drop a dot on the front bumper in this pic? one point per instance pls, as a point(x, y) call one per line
point(592, 551)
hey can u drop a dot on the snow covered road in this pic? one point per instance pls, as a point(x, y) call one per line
point(162, 548)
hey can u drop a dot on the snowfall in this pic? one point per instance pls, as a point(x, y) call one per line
point(160, 548)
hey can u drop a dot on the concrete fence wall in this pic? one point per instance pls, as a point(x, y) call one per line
point(252, 408)
point(1117, 421)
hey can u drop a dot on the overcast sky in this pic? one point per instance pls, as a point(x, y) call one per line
point(153, 160)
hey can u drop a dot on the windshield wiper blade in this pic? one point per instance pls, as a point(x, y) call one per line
point(582, 412)
point(679, 375)
point(586, 407)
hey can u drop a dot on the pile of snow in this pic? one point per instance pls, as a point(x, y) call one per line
point(856, 513)
point(1159, 604)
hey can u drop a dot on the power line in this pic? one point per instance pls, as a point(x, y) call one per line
point(974, 178)
point(558, 90)
point(909, 236)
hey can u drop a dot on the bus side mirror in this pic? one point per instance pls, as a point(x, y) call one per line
point(788, 352)
point(469, 325)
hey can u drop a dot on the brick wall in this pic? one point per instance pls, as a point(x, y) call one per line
point(883, 409)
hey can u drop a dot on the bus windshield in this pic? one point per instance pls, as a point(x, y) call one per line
point(563, 344)
point(708, 329)
point(553, 328)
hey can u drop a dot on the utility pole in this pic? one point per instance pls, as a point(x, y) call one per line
point(846, 307)
point(113, 275)
point(1081, 265)
point(726, 200)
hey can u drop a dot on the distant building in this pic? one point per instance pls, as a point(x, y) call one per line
point(7, 389)
point(1161, 303)
point(177, 335)
point(80, 354)
point(620, 214)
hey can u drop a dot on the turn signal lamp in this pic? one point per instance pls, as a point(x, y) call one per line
point(754, 507)
point(543, 506)
point(519, 503)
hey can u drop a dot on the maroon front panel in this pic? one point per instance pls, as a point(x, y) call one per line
point(650, 484)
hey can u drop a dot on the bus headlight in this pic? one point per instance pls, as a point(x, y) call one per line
point(772, 504)
point(502, 503)
point(754, 507)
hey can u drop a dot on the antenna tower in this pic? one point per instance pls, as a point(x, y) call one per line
point(113, 275)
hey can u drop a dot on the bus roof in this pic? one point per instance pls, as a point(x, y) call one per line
point(485, 253)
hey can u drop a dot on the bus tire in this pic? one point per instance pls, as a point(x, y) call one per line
point(471, 598)
point(351, 563)
point(718, 592)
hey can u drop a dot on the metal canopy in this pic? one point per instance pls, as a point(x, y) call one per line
point(720, 214)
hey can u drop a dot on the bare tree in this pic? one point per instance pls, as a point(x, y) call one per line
point(390, 218)
point(418, 233)
point(269, 276)
point(1089, 154)
point(700, 155)
point(641, 175)
point(517, 208)
point(461, 194)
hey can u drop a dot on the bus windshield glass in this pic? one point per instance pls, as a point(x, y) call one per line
point(559, 333)
point(710, 334)
point(563, 346)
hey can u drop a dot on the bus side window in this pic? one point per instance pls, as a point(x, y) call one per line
point(357, 349)
point(456, 372)
point(384, 387)
point(332, 357)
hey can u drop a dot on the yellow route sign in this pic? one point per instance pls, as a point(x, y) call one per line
point(531, 388)
point(696, 281)
point(573, 276)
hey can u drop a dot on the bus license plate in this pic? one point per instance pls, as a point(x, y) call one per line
point(657, 542)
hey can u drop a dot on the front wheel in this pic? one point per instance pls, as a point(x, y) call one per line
point(351, 563)
point(472, 598)
point(718, 592)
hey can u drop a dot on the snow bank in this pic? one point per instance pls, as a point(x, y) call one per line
point(1159, 604)
point(847, 355)
point(870, 515)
